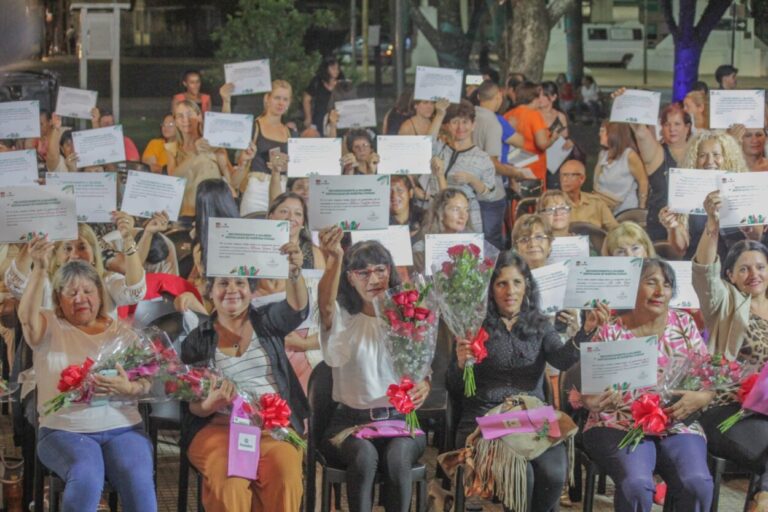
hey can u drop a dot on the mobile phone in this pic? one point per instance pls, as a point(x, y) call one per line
point(273, 153)
point(102, 400)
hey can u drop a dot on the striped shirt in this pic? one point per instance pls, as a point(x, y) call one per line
point(252, 371)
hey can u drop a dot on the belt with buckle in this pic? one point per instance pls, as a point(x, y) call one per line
point(374, 414)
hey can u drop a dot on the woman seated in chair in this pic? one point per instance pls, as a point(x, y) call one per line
point(680, 456)
point(522, 341)
point(628, 239)
point(361, 373)
point(532, 239)
point(246, 345)
point(84, 443)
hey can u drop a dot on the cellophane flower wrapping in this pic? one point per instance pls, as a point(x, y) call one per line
point(409, 319)
point(649, 419)
point(7, 389)
point(705, 372)
point(745, 387)
point(192, 384)
point(143, 353)
point(462, 285)
point(272, 414)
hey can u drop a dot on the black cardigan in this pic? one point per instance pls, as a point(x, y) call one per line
point(271, 323)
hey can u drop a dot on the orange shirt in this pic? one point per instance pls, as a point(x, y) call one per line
point(156, 148)
point(205, 101)
point(529, 121)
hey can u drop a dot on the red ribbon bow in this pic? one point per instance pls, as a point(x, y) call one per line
point(479, 352)
point(746, 387)
point(73, 375)
point(399, 397)
point(275, 412)
point(649, 415)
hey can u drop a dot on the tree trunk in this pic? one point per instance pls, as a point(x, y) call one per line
point(687, 57)
point(574, 38)
point(527, 39)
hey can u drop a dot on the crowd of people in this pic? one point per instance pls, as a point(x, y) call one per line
point(269, 334)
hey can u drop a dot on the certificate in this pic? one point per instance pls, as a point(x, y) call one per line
point(146, 193)
point(38, 210)
point(569, 248)
point(685, 296)
point(249, 77)
point(75, 102)
point(356, 113)
point(314, 156)
point(352, 202)
point(18, 168)
point(635, 106)
point(232, 131)
point(436, 247)
point(745, 107)
point(624, 364)
point(247, 248)
point(435, 83)
point(557, 153)
point(95, 193)
point(396, 239)
point(743, 199)
point(551, 281)
point(688, 188)
point(520, 158)
point(404, 154)
point(99, 146)
point(610, 280)
point(19, 119)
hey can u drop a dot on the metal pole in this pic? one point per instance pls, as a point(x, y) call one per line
point(733, 31)
point(115, 68)
point(364, 31)
point(84, 48)
point(645, 42)
point(353, 31)
point(399, 48)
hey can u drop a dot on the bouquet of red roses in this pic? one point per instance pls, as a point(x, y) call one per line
point(649, 419)
point(273, 414)
point(462, 288)
point(410, 318)
point(192, 384)
point(752, 395)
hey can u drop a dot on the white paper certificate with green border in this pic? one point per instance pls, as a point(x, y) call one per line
point(743, 199)
point(352, 202)
point(621, 364)
point(404, 154)
point(247, 248)
point(19, 119)
point(28, 211)
point(607, 279)
point(146, 193)
point(99, 146)
point(95, 193)
point(551, 280)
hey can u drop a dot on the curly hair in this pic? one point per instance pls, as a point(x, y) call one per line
point(733, 156)
point(433, 220)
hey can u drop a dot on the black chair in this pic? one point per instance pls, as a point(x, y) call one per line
point(596, 235)
point(181, 501)
point(147, 311)
point(321, 408)
point(526, 205)
point(666, 251)
point(719, 467)
point(182, 241)
point(637, 215)
point(433, 414)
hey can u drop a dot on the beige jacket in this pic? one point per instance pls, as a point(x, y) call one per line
point(725, 309)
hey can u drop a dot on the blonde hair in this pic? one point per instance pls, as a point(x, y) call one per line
point(68, 273)
point(700, 100)
point(525, 223)
point(628, 231)
point(541, 202)
point(85, 232)
point(733, 156)
point(182, 155)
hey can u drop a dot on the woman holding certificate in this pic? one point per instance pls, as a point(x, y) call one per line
point(680, 455)
point(61, 156)
point(362, 372)
point(246, 345)
point(734, 300)
point(449, 212)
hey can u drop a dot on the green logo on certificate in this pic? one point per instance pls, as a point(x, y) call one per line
point(244, 271)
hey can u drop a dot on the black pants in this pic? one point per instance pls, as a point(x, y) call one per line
point(746, 443)
point(362, 458)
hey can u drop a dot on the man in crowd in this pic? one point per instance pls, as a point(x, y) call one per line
point(585, 207)
point(726, 76)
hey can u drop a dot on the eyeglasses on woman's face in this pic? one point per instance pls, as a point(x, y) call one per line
point(556, 210)
point(380, 271)
point(527, 240)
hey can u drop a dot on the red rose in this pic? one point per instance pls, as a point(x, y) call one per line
point(456, 251)
point(746, 387)
point(399, 397)
point(392, 316)
point(488, 262)
point(413, 296)
point(421, 313)
point(401, 299)
point(73, 375)
point(649, 415)
point(171, 387)
point(479, 352)
point(447, 267)
point(408, 311)
point(475, 250)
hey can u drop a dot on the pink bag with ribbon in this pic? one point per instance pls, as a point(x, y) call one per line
point(525, 421)
point(244, 443)
point(388, 428)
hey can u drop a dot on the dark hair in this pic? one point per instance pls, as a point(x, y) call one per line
point(415, 213)
point(65, 137)
point(304, 234)
point(404, 103)
point(550, 89)
point(737, 250)
point(188, 72)
point(358, 133)
point(487, 91)
point(723, 71)
point(252, 283)
point(158, 249)
point(700, 86)
point(492, 74)
point(526, 92)
point(463, 109)
point(213, 199)
point(322, 69)
point(530, 322)
point(359, 256)
point(651, 264)
point(515, 79)
point(46, 113)
point(589, 78)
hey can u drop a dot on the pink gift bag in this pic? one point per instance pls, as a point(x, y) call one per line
point(244, 443)
point(757, 399)
point(388, 428)
point(527, 421)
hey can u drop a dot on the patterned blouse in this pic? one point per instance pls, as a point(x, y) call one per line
point(681, 338)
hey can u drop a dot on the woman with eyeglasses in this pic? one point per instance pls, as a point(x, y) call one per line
point(361, 157)
point(155, 155)
point(553, 206)
point(351, 346)
point(532, 239)
point(402, 211)
point(628, 239)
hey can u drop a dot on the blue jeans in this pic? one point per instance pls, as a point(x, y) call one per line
point(82, 460)
point(492, 213)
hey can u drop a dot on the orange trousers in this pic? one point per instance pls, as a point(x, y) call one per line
point(277, 488)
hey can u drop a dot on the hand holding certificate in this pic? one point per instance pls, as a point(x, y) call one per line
point(247, 248)
point(396, 239)
point(18, 168)
point(612, 281)
point(95, 193)
point(436, 247)
point(689, 187)
point(232, 131)
point(352, 202)
point(356, 113)
point(19, 119)
point(685, 296)
point(635, 106)
point(433, 84)
point(731, 107)
point(569, 248)
point(314, 156)
point(43, 211)
point(622, 364)
point(76, 103)
point(147, 193)
point(249, 77)
point(743, 198)
point(99, 146)
point(404, 154)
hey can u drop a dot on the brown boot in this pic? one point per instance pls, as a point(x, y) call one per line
point(759, 502)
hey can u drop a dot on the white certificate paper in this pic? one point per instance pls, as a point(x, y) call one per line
point(685, 296)
point(356, 113)
point(18, 168)
point(95, 193)
point(247, 248)
point(249, 77)
point(435, 83)
point(314, 156)
point(520, 158)
point(99, 146)
point(569, 248)
point(146, 193)
point(556, 154)
point(352, 202)
point(76, 103)
point(624, 364)
point(231, 131)
point(610, 280)
point(396, 239)
point(743, 106)
point(688, 188)
point(436, 247)
point(551, 281)
point(19, 119)
point(404, 154)
point(635, 106)
point(39, 210)
point(744, 199)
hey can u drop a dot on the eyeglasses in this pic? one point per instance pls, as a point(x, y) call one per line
point(526, 240)
point(381, 271)
point(571, 175)
point(554, 210)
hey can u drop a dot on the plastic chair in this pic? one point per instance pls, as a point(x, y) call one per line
point(147, 311)
point(321, 407)
point(719, 467)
